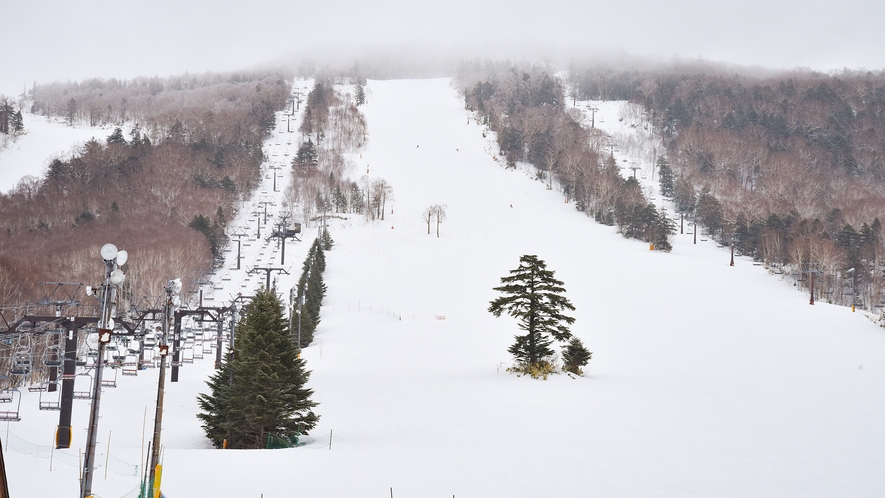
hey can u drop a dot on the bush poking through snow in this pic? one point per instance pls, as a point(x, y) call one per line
point(538, 370)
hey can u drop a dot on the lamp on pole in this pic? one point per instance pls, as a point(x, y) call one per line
point(108, 300)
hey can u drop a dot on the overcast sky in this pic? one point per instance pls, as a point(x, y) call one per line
point(47, 40)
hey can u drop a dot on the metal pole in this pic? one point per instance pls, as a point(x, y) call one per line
point(63, 434)
point(108, 297)
point(811, 301)
point(168, 312)
point(238, 253)
point(299, 325)
point(732, 254)
point(176, 347)
point(233, 328)
point(854, 290)
point(55, 341)
point(219, 334)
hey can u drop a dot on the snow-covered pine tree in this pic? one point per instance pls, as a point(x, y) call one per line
point(268, 395)
point(532, 295)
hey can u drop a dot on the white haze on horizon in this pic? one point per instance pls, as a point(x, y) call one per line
point(57, 40)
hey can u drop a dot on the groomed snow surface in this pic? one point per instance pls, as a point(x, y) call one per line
point(706, 379)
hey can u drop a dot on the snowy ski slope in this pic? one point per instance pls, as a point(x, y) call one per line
point(706, 380)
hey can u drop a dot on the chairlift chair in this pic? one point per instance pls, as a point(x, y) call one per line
point(21, 364)
point(130, 365)
point(12, 415)
point(48, 404)
point(79, 392)
point(110, 382)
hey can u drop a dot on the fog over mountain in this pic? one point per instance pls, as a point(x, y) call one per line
point(60, 40)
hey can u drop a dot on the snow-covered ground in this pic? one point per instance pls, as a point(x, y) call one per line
point(43, 141)
point(706, 379)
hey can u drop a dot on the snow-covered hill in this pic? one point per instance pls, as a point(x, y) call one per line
point(43, 140)
point(706, 379)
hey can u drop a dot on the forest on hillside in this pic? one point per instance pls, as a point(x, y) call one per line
point(787, 167)
point(182, 154)
point(525, 108)
point(790, 168)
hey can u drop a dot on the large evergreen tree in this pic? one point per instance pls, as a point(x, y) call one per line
point(260, 389)
point(532, 295)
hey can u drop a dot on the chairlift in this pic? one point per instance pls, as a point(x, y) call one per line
point(79, 392)
point(21, 364)
point(130, 365)
point(110, 382)
point(47, 404)
point(12, 415)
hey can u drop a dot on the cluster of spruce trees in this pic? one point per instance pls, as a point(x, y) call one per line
point(311, 291)
point(11, 120)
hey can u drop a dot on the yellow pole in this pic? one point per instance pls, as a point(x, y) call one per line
point(158, 474)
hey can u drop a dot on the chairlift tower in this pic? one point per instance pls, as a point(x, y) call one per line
point(108, 299)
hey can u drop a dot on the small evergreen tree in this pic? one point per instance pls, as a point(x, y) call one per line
point(268, 394)
point(665, 176)
point(359, 94)
point(533, 296)
point(71, 111)
point(328, 242)
point(117, 137)
point(339, 200)
point(17, 123)
point(307, 157)
point(575, 356)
